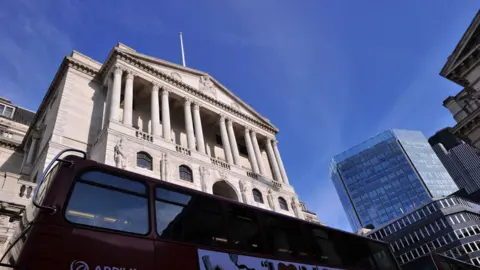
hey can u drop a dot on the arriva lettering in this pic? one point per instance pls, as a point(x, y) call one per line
point(99, 267)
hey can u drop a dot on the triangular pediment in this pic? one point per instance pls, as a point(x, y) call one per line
point(469, 41)
point(198, 80)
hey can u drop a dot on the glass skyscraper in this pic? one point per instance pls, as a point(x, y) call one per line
point(387, 175)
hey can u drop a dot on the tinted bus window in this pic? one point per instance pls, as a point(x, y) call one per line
point(323, 248)
point(244, 231)
point(123, 203)
point(284, 237)
point(186, 218)
point(42, 189)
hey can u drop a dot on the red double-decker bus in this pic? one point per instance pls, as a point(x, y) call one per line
point(88, 216)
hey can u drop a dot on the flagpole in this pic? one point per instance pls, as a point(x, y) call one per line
point(183, 52)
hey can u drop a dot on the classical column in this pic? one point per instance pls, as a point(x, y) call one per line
point(273, 161)
point(225, 141)
point(198, 128)
point(280, 162)
point(167, 132)
point(115, 102)
point(128, 100)
point(108, 100)
point(233, 142)
point(31, 150)
point(155, 110)
point(251, 152)
point(189, 124)
point(258, 154)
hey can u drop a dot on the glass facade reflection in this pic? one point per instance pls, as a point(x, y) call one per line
point(387, 175)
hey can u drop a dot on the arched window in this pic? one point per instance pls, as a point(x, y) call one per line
point(257, 195)
point(144, 160)
point(185, 173)
point(283, 203)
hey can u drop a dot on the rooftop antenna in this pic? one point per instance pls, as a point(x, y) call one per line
point(183, 52)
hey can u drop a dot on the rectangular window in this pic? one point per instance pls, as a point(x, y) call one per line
point(123, 207)
point(6, 110)
point(244, 229)
point(285, 237)
point(194, 219)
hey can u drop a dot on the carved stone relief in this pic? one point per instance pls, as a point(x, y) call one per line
point(120, 155)
point(164, 167)
point(270, 200)
point(206, 86)
point(294, 206)
point(203, 178)
point(176, 76)
point(223, 175)
point(235, 106)
point(243, 190)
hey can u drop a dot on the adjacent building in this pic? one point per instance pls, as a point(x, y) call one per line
point(386, 176)
point(151, 117)
point(460, 159)
point(448, 226)
point(16, 189)
point(463, 68)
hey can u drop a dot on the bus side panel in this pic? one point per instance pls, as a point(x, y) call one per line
point(107, 250)
point(175, 256)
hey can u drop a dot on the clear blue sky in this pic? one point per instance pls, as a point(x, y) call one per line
point(329, 74)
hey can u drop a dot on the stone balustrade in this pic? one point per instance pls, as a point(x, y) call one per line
point(183, 150)
point(144, 136)
point(220, 163)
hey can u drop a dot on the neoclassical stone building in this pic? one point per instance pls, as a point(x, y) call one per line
point(463, 68)
point(162, 120)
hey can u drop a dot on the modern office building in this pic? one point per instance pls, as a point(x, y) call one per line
point(387, 175)
point(152, 117)
point(448, 226)
point(461, 160)
point(463, 68)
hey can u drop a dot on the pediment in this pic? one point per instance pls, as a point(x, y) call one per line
point(200, 81)
point(469, 41)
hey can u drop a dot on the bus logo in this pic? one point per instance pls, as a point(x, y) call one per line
point(79, 265)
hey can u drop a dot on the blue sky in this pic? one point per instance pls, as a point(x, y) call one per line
point(329, 74)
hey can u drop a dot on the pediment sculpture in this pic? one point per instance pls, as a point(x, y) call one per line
point(207, 87)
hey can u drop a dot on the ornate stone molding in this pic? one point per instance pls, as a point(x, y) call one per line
point(171, 80)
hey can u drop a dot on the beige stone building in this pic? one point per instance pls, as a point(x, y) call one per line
point(152, 117)
point(15, 189)
point(463, 68)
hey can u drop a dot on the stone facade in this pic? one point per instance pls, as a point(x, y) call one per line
point(15, 189)
point(158, 119)
point(463, 68)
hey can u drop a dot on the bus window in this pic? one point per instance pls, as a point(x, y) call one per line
point(123, 205)
point(244, 232)
point(42, 189)
point(285, 237)
point(323, 248)
point(195, 219)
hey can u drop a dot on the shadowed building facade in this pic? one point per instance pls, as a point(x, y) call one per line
point(463, 68)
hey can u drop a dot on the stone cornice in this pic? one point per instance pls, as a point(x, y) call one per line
point(467, 124)
point(452, 59)
point(185, 87)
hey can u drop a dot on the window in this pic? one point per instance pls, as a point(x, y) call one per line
point(144, 160)
point(245, 234)
point(284, 237)
point(123, 207)
point(193, 219)
point(6, 110)
point(185, 173)
point(45, 184)
point(282, 203)
point(257, 195)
